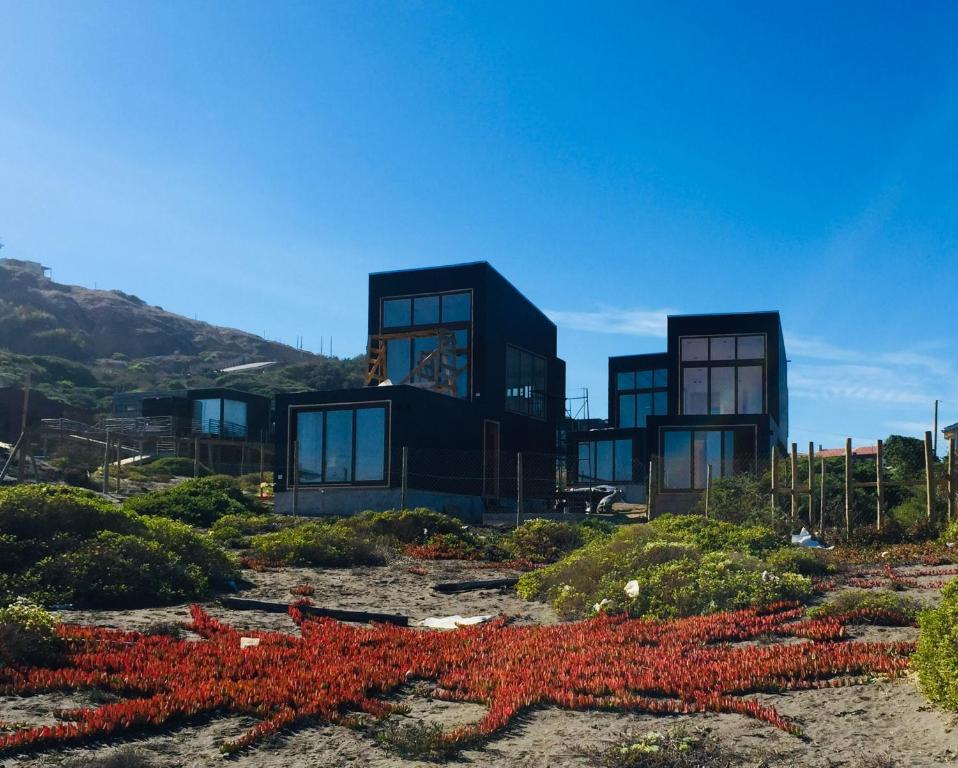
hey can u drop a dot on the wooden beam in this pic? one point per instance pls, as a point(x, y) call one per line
point(929, 477)
point(878, 485)
point(794, 479)
point(244, 604)
point(848, 487)
point(811, 483)
point(469, 586)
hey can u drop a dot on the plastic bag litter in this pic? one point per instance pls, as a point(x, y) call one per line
point(805, 539)
point(451, 622)
point(632, 588)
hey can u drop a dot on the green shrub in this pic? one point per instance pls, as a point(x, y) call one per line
point(674, 574)
point(936, 658)
point(711, 535)
point(652, 749)
point(849, 600)
point(542, 541)
point(49, 530)
point(194, 549)
point(740, 499)
point(324, 544)
point(117, 571)
point(408, 526)
point(201, 501)
point(801, 560)
point(28, 634)
point(171, 466)
point(235, 530)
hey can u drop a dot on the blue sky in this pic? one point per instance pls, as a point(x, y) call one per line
point(249, 163)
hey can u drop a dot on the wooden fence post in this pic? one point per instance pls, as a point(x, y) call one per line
point(821, 503)
point(811, 484)
point(794, 479)
point(404, 477)
point(879, 486)
point(848, 487)
point(708, 488)
point(952, 489)
point(106, 463)
point(649, 492)
point(929, 477)
point(774, 463)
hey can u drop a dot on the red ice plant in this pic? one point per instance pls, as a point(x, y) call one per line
point(332, 670)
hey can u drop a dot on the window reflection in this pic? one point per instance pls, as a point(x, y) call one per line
point(339, 446)
point(751, 347)
point(689, 453)
point(425, 310)
point(695, 391)
point(695, 349)
point(750, 389)
point(677, 469)
point(397, 313)
point(722, 397)
point(722, 347)
point(309, 438)
point(370, 444)
point(456, 307)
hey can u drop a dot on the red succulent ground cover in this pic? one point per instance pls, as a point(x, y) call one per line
point(332, 671)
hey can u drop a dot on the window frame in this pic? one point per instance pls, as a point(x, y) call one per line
point(735, 363)
point(635, 391)
point(452, 325)
point(292, 436)
point(527, 356)
point(593, 460)
point(692, 429)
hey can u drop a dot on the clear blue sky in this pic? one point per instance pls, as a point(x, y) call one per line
point(249, 163)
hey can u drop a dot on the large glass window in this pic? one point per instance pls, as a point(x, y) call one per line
point(234, 416)
point(341, 445)
point(722, 396)
point(309, 439)
point(718, 382)
point(370, 444)
point(688, 454)
point(605, 461)
point(456, 307)
point(750, 389)
point(403, 315)
point(338, 467)
point(695, 388)
point(525, 382)
point(397, 313)
point(425, 310)
point(641, 394)
point(398, 352)
point(677, 464)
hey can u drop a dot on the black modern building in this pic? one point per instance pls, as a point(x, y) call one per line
point(718, 396)
point(215, 412)
point(462, 376)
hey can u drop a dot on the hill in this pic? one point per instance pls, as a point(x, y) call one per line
point(81, 345)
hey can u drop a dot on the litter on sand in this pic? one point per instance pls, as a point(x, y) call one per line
point(451, 622)
point(805, 539)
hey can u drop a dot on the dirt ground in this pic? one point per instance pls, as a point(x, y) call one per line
point(844, 726)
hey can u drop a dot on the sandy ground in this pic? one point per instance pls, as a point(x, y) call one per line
point(844, 727)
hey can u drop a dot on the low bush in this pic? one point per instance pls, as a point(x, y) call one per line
point(119, 571)
point(936, 658)
point(705, 567)
point(236, 530)
point(324, 544)
point(199, 502)
point(868, 601)
point(28, 634)
point(417, 741)
point(802, 560)
point(545, 541)
point(712, 535)
point(408, 526)
point(64, 545)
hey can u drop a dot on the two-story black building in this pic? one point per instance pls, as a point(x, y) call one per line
point(717, 397)
point(463, 375)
